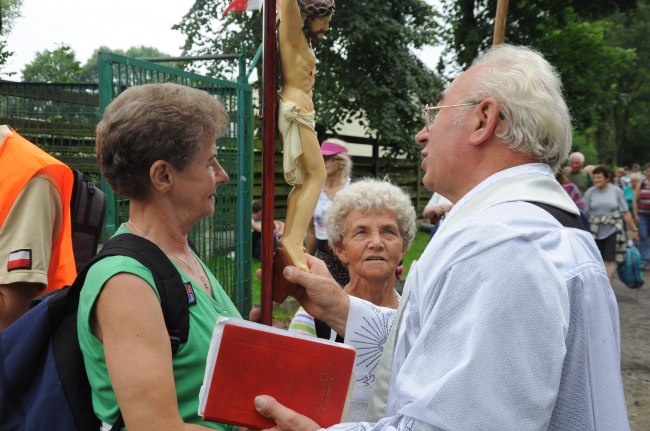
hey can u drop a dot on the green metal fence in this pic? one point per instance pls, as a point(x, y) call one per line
point(223, 240)
point(61, 119)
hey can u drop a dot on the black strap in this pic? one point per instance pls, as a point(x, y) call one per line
point(173, 301)
point(565, 218)
point(324, 331)
point(173, 297)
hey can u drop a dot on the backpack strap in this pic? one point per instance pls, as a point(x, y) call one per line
point(173, 296)
point(173, 301)
point(324, 331)
point(565, 218)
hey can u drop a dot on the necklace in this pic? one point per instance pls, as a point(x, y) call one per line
point(195, 270)
point(138, 229)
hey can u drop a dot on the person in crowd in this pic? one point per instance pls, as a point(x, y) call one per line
point(571, 189)
point(370, 224)
point(508, 320)
point(635, 182)
point(607, 210)
point(36, 253)
point(621, 178)
point(577, 174)
point(436, 210)
point(339, 168)
point(635, 168)
point(575, 195)
point(642, 215)
point(156, 145)
point(256, 226)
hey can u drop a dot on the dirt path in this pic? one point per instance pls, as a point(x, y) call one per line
point(634, 311)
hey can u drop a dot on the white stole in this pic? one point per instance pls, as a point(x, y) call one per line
point(530, 186)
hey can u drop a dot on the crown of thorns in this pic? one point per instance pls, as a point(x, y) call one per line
point(317, 9)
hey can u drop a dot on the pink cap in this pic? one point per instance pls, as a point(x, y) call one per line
point(329, 148)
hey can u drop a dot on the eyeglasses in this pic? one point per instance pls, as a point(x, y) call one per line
point(431, 112)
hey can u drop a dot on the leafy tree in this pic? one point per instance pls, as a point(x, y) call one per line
point(58, 65)
point(631, 107)
point(471, 22)
point(9, 11)
point(61, 64)
point(89, 72)
point(4, 53)
point(560, 30)
point(590, 80)
point(367, 69)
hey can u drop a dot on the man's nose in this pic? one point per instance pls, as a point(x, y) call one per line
point(422, 137)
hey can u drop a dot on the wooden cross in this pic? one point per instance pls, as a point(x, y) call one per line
point(500, 22)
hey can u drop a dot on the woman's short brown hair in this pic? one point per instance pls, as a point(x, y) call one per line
point(154, 122)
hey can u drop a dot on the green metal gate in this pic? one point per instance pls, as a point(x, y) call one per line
point(223, 240)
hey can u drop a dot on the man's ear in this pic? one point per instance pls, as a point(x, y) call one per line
point(161, 175)
point(485, 120)
point(341, 253)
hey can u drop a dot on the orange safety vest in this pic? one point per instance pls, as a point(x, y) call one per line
point(20, 161)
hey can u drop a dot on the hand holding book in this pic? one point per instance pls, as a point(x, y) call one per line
point(284, 418)
point(308, 375)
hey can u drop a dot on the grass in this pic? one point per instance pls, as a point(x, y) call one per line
point(417, 247)
point(414, 252)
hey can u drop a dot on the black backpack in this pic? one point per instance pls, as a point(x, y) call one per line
point(87, 208)
point(43, 383)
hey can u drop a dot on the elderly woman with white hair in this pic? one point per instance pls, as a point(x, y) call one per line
point(370, 224)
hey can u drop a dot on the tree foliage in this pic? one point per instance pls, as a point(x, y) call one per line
point(58, 65)
point(367, 69)
point(471, 22)
point(631, 107)
point(578, 37)
point(90, 73)
point(9, 11)
point(61, 64)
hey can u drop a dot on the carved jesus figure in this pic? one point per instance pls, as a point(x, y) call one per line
point(302, 22)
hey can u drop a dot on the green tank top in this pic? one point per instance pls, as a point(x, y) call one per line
point(188, 362)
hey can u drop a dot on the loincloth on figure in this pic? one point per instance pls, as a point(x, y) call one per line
point(289, 120)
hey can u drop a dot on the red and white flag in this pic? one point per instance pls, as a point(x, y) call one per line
point(243, 6)
point(19, 259)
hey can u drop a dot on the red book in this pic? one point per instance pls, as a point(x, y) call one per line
point(309, 375)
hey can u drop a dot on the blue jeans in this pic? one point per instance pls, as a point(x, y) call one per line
point(644, 247)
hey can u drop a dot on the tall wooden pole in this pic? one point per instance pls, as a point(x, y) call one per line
point(500, 22)
point(268, 158)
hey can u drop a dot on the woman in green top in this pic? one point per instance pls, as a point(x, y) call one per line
point(156, 145)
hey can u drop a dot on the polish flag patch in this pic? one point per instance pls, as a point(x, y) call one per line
point(20, 259)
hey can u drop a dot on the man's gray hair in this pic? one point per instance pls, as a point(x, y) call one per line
point(577, 155)
point(367, 195)
point(529, 89)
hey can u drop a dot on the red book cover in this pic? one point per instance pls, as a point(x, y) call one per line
point(308, 375)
